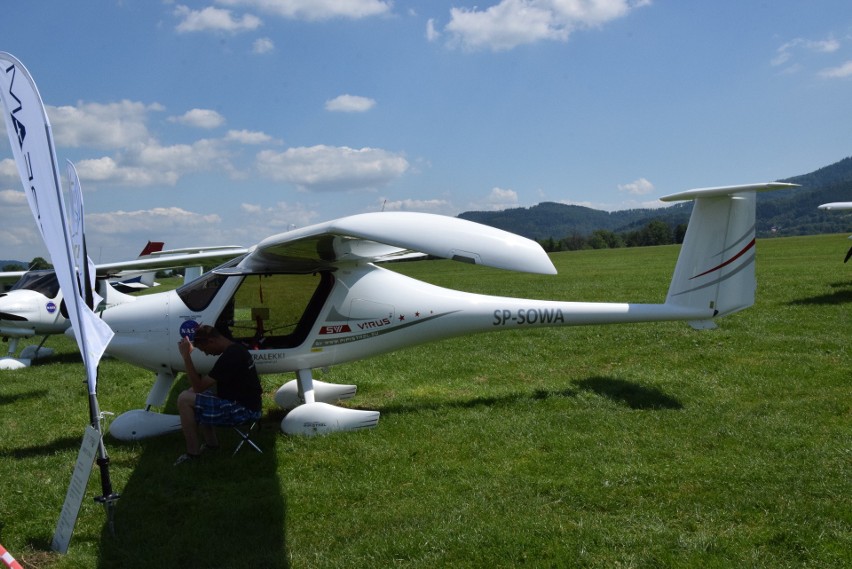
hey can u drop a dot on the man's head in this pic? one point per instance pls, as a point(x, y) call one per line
point(209, 340)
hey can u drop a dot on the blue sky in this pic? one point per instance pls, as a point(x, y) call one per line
point(225, 121)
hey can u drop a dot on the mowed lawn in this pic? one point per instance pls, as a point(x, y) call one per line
point(642, 445)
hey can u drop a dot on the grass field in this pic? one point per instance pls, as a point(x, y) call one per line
point(646, 445)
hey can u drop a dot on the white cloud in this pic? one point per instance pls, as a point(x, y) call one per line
point(12, 198)
point(248, 137)
point(152, 220)
point(152, 164)
point(262, 45)
point(21, 241)
point(786, 52)
point(200, 118)
point(511, 23)
point(180, 158)
point(315, 10)
point(280, 217)
point(215, 19)
point(332, 168)
point(501, 196)
point(9, 171)
point(97, 125)
point(119, 234)
point(639, 187)
point(425, 206)
point(432, 33)
point(106, 170)
point(840, 72)
point(497, 199)
point(350, 104)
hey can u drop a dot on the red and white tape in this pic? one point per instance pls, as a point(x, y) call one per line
point(8, 559)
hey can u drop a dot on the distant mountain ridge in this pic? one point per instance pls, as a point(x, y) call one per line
point(784, 212)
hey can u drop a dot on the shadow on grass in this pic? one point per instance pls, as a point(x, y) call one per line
point(61, 358)
point(7, 399)
point(501, 401)
point(841, 295)
point(58, 445)
point(628, 393)
point(621, 391)
point(218, 511)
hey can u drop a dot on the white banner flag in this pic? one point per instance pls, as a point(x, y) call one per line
point(77, 226)
point(32, 146)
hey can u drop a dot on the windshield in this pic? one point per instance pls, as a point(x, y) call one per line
point(44, 282)
point(198, 294)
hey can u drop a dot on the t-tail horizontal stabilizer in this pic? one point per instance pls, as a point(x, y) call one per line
point(715, 269)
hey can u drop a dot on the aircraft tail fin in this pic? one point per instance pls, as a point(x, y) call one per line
point(152, 247)
point(715, 269)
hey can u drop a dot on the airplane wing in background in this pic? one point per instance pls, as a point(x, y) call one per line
point(385, 236)
point(172, 259)
point(155, 261)
point(836, 205)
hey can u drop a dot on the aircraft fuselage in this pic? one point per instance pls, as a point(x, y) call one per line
point(356, 312)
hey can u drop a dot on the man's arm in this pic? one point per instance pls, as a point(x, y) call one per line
point(200, 383)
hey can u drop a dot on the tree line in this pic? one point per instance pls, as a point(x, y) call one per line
point(655, 232)
point(36, 264)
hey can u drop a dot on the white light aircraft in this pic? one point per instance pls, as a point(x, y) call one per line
point(33, 306)
point(839, 205)
point(333, 303)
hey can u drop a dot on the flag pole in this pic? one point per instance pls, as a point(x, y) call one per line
point(86, 299)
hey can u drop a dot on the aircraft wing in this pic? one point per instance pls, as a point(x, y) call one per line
point(836, 205)
point(160, 260)
point(11, 277)
point(173, 258)
point(377, 237)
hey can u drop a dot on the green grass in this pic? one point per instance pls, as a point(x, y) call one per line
point(646, 445)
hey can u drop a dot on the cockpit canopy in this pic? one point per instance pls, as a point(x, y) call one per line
point(43, 281)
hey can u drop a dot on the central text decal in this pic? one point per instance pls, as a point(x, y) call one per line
point(267, 357)
point(374, 324)
point(335, 329)
point(528, 316)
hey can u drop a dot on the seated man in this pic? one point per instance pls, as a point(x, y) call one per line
point(237, 389)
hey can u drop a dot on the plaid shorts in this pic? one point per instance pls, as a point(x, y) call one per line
point(212, 410)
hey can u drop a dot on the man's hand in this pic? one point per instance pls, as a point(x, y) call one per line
point(185, 347)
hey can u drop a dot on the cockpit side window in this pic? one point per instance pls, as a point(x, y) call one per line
point(276, 311)
point(198, 294)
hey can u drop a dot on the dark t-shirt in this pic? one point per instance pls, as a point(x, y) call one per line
point(236, 377)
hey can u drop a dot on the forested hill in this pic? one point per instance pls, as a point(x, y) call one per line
point(782, 213)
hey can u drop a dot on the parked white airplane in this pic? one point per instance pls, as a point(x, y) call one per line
point(839, 205)
point(315, 297)
point(33, 306)
point(334, 304)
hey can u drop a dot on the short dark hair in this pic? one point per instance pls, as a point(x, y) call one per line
point(205, 333)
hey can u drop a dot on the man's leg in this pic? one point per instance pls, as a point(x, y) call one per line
point(210, 438)
point(186, 409)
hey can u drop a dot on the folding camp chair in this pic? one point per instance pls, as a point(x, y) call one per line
point(245, 434)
